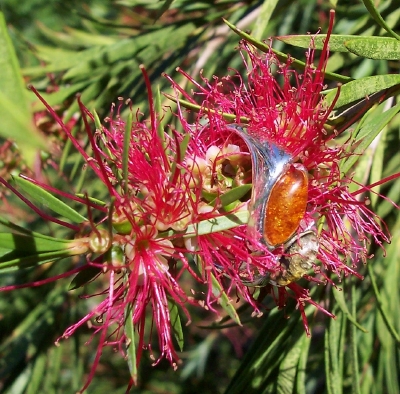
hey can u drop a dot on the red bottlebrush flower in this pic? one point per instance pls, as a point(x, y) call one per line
point(155, 208)
point(297, 182)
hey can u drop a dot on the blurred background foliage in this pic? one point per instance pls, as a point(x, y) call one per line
point(95, 47)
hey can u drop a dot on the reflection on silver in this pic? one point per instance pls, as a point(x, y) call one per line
point(299, 254)
point(269, 162)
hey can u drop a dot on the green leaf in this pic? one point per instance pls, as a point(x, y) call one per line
point(224, 300)
point(263, 19)
point(385, 316)
point(164, 8)
point(288, 368)
point(158, 107)
point(148, 45)
point(125, 153)
point(38, 375)
point(339, 297)
point(260, 369)
point(218, 224)
point(27, 244)
point(19, 251)
point(83, 277)
point(197, 108)
point(34, 234)
point(354, 365)
point(370, 6)
point(370, 47)
point(182, 152)
point(28, 336)
point(176, 323)
point(218, 291)
point(337, 42)
point(377, 166)
point(331, 342)
point(375, 47)
point(368, 131)
point(131, 338)
point(281, 56)
point(302, 367)
point(362, 88)
point(232, 195)
point(48, 200)
point(16, 118)
point(58, 59)
point(10, 263)
point(58, 97)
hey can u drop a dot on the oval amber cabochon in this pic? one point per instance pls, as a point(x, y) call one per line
point(286, 206)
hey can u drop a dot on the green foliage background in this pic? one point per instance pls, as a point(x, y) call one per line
point(95, 48)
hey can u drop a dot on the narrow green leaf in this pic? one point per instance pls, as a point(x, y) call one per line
point(232, 195)
point(125, 153)
point(370, 47)
point(224, 300)
point(25, 244)
point(130, 339)
point(377, 166)
point(16, 118)
point(198, 108)
point(370, 6)
point(163, 8)
point(381, 308)
point(30, 333)
point(281, 56)
point(38, 374)
point(53, 369)
point(330, 371)
point(263, 19)
point(92, 199)
point(362, 88)
point(83, 277)
point(48, 200)
point(10, 263)
point(258, 370)
point(33, 234)
point(339, 297)
point(218, 291)
point(367, 134)
point(288, 368)
point(28, 250)
point(60, 96)
point(58, 59)
point(301, 370)
point(161, 119)
point(337, 42)
point(148, 45)
point(182, 152)
point(354, 365)
point(218, 224)
point(334, 354)
point(385, 48)
point(176, 323)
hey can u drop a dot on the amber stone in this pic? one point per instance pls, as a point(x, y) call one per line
point(286, 206)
